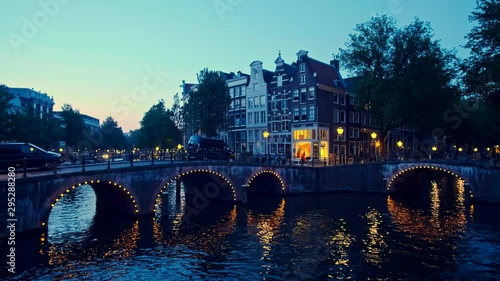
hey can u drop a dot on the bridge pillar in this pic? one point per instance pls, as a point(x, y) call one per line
point(243, 194)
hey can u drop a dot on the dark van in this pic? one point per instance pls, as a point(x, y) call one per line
point(207, 148)
point(13, 155)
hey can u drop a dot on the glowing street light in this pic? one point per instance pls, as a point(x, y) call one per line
point(400, 144)
point(374, 135)
point(265, 134)
point(460, 149)
point(340, 130)
point(434, 148)
point(179, 146)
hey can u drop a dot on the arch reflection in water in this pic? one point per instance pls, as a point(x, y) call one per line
point(445, 218)
point(77, 236)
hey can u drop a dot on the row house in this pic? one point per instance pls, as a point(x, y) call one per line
point(314, 131)
point(237, 134)
point(279, 107)
point(257, 108)
point(22, 97)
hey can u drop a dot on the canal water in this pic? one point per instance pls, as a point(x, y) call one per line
point(430, 233)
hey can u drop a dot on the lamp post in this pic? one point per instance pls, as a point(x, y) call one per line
point(179, 146)
point(340, 132)
point(266, 135)
point(374, 138)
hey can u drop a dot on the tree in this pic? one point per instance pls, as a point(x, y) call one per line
point(177, 112)
point(73, 126)
point(158, 128)
point(5, 117)
point(402, 72)
point(207, 107)
point(112, 135)
point(482, 72)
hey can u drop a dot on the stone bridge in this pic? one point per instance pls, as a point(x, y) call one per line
point(135, 190)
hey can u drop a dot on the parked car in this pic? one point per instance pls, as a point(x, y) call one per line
point(208, 148)
point(13, 155)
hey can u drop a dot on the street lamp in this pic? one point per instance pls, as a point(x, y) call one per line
point(374, 137)
point(340, 132)
point(400, 144)
point(266, 135)
point(434, 148)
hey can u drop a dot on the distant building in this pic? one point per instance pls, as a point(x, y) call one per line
point(23, 97)
point(92, 123)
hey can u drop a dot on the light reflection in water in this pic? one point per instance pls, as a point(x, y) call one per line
point(71, 244)
point(439, 224)
point(375, 241)
point(266, 227)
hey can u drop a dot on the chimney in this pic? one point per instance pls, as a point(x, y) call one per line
point(335, 63)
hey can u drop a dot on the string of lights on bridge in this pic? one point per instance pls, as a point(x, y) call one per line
point(114, 184)
point(165, 187)
point(270, 172)
point(425, 167)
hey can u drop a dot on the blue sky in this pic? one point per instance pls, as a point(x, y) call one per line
point(118, 58)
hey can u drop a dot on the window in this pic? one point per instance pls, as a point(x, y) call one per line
point(274, 103)
point(256, 118)
point(302, 67)
point(237, 92)
point(243, 91)
point(243, 103)
point(303, 115)
point(356, 133)
point(231, 105)
point(336, 98)
point(296, 113)
point(303, 95)
point(311, 92)
point(351, 117)
point(284, 100)
point(263, 101)
point(363, 119)
point(250, 116)
point(311, 112)
point(351, 132)
point(285, 124)
point(335, 115)
point(237, 104)
point(237, 120)
point(263, 116)
point(231, 120)
point(295, 95)
point(336, 149)
point(280, 81)
point(342, 116)
point(255, 87)
point(352, 100)
point(231, 92)
point(256, 101)
point(342, 99)
point(302, 78)
point(356, 117)
point(250, 102)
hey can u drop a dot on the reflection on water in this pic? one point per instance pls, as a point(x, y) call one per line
point(432, 234)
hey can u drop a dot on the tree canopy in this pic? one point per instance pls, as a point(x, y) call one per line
point(158, 128)
point(112, 135)
point(73, 126)
point(207, 107)
point(482, 75)
point(402, 72)
point(5, 118)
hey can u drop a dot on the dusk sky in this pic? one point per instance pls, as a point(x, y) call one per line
point(118, 58)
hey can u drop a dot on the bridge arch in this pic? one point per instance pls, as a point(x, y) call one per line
point(117, 197)
point(270, 172)
point(406, 171)
point(224, 179)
